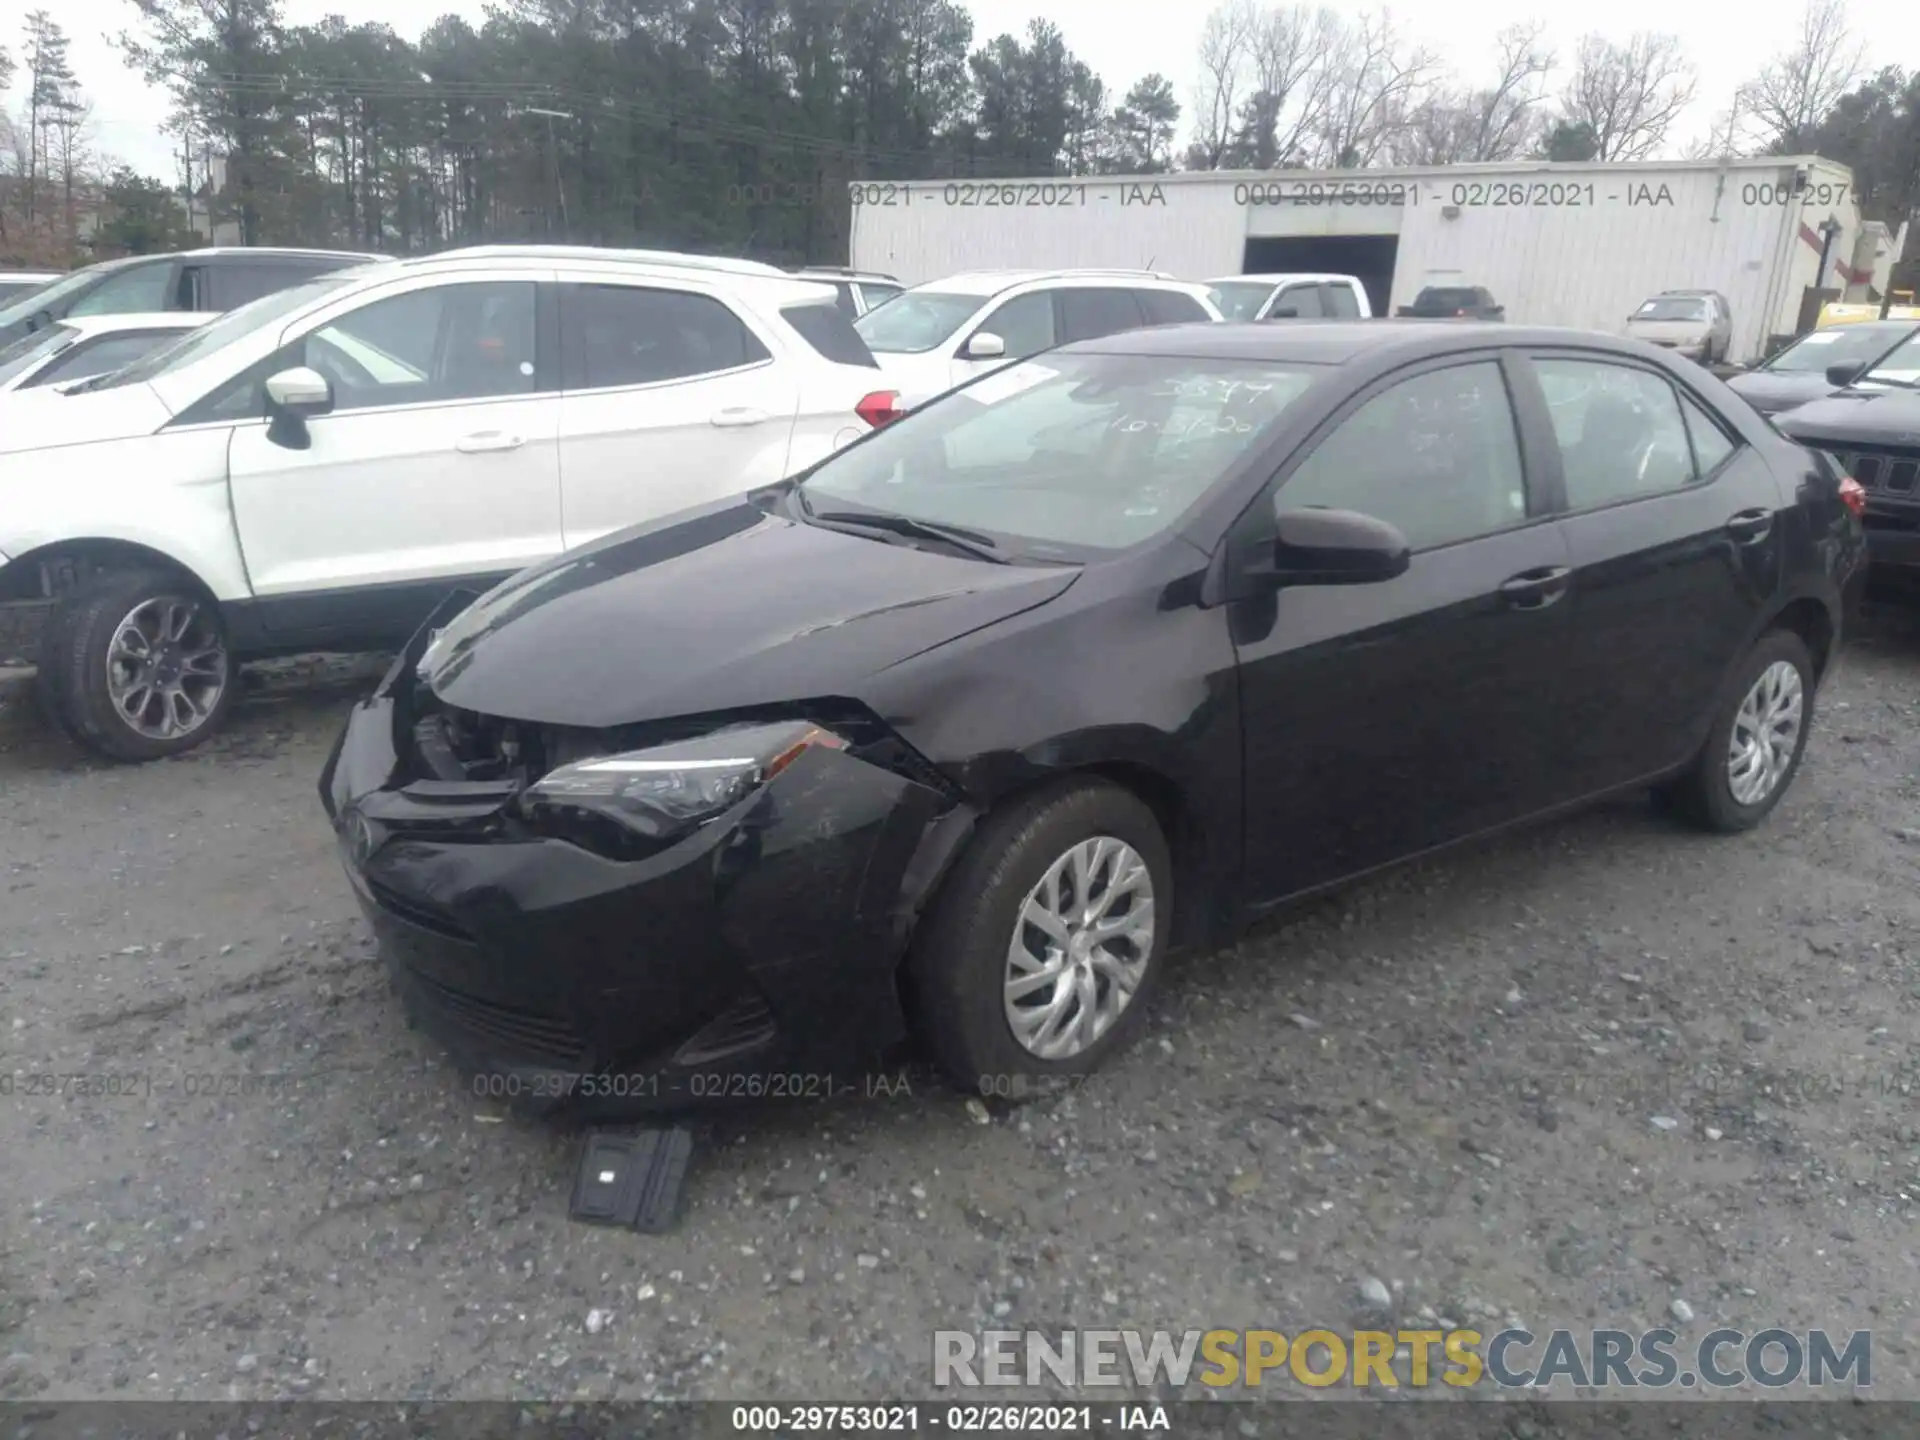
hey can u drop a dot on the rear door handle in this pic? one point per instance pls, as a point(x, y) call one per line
point(1536, 589)
point(738, 416)
point(486, 440)
point(1750, 526)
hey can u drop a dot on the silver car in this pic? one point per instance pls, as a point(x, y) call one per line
point(1695, 323)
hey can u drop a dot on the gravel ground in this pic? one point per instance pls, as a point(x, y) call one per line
point(1569, 1078)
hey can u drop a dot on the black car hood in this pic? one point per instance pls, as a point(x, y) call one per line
point(715, 609)
point(1886, 417)
point(1773, 393)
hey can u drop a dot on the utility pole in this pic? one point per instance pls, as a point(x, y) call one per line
point(553, 161)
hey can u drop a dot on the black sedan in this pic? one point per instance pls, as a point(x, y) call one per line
point(1103, 655)
point(1823, 361)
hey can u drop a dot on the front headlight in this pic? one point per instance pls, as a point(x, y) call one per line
point(632, 804)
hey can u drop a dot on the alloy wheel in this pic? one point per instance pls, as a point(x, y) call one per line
point(1766, 733)
point(167, 668)
point(1080, 948)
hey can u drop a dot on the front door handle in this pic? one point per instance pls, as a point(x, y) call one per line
point(1536, 589)
point(487, 440)
point(738, 416)
point(1750, 526)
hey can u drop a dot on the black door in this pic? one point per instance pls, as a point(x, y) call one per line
point(1382, 720)
point(1671, 523)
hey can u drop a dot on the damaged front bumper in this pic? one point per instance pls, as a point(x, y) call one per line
point(755, 959)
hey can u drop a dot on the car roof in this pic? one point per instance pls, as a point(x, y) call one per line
point(992, 282)
point(1332, 342)
point(664, 264)
point(162, 320)
point(1278, 276)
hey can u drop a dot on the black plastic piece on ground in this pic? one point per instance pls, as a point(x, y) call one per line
point(632, 1180)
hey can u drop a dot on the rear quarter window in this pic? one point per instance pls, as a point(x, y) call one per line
point(831, 334)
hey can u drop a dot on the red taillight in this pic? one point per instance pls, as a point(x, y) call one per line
point(1853, 495)
point(879, 407)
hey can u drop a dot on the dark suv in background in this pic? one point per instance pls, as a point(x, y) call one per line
point(215, 280)
point(1453, 302)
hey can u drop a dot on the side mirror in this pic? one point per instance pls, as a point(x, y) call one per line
point(1841, 376)
point(293, 397)
point(1336, 547)
point(985, 345)
point(1285, 312)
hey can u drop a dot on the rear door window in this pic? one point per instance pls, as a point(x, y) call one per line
point(1089, 314)
point(618, 335)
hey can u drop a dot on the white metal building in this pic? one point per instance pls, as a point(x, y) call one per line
point(1557, 244)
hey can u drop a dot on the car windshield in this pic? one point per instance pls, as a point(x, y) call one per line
point(915, 321)
point(34, 301)
point(1069, 456)
point(1842, 345)
point(1672, 307)
point(1240, 299)
point(196, 345)
point(29, 350)
point(1901, 366)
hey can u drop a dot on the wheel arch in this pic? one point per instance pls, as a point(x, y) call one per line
point(53, 569)
point(1198, 888)
point(1812, 619)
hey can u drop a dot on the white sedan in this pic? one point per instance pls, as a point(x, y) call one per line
point(84, 346)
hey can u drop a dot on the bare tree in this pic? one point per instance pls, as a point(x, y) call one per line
point(1452, 126)
point(69, 151)
point(1226, 46)
point(1377, 81)
point(1789, 98)
point(1627, 96)
point(1292, 86)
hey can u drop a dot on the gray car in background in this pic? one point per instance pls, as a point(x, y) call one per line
point(1807, 369)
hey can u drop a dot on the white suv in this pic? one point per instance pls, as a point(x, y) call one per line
point(1293, 296)
point(316, 470)
point(942, 334)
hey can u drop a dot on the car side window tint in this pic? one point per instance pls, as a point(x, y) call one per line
point(136, 290)
point(236, 282)
point(618, 335)
point(450, 342)
point(843, 297)
point(100, 357)
point(1436, 455)
point(1025, 323)
point(1711, 444)
point(1170, 307)
point(1339, 302)
point(1303, 300)
point(1619, 430)
point(1087, 314)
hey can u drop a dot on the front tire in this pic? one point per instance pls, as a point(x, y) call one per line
point(1036, 960)
point(136, 665)
point(1758, 737)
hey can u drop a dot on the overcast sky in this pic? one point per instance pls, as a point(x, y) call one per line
point(1121, 42)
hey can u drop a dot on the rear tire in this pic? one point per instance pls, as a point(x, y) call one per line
point(1758, 738)
point(136, 665)
point(1081, 847)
